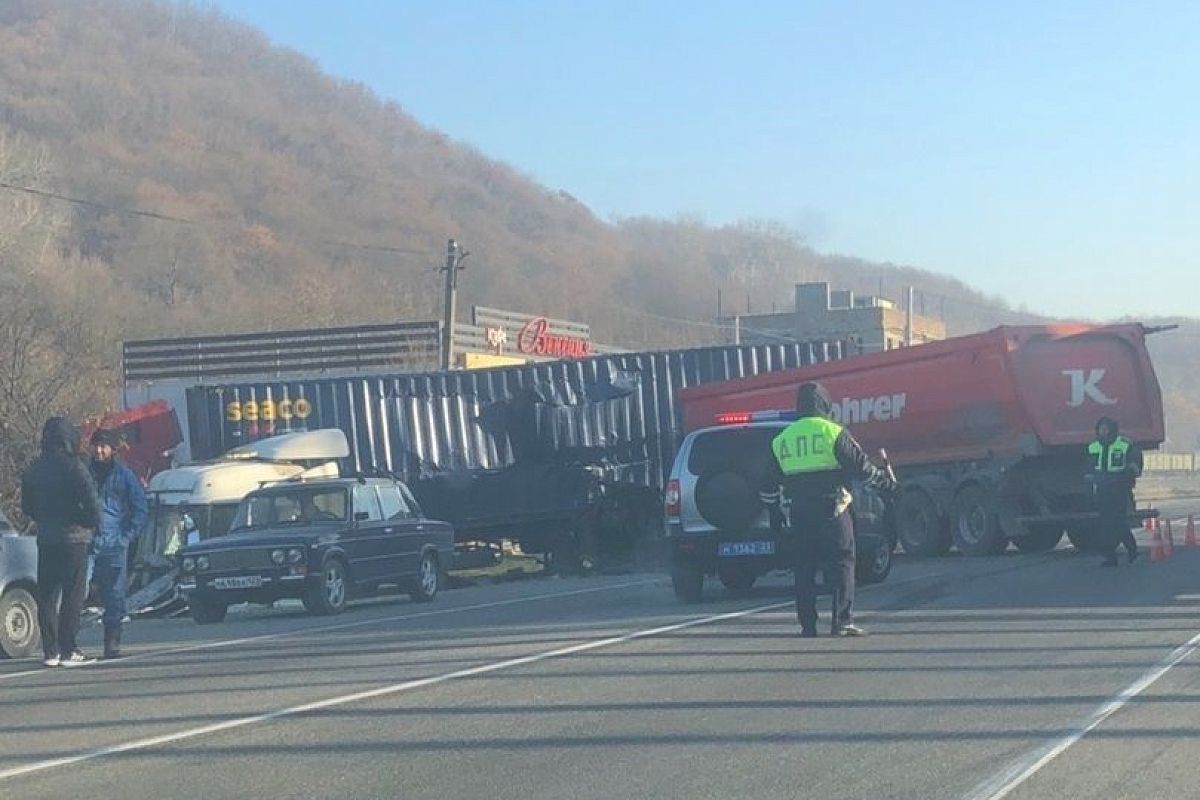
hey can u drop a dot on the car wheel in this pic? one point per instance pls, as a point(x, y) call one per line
point(919, 525)
point(736, 577)
point(19, 633)
point(687, 579)
point(205, 610)
point(1040, 539)
point(328, 596)
point(429, 579)
point(976, 527)
point(874, 565)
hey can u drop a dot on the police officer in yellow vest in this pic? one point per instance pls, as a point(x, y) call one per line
point(1116, 464)
point(812, 463)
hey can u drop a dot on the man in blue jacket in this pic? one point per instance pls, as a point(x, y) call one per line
point(122, 515)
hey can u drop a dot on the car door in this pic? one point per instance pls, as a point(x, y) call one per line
point(407, 530)
point(370, 548)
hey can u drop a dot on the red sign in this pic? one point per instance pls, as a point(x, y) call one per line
point(535, 339)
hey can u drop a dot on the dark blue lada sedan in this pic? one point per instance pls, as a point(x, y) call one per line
point(323, 541)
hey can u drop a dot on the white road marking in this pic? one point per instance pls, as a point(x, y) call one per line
point(383, 691)
point(191, 648)
point(241, 722)
point(1004, 782)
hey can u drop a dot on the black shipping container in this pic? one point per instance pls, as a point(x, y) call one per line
point(498, 451)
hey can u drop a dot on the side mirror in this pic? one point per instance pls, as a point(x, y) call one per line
point(361, 516)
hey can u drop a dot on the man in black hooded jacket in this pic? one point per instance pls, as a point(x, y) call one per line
point(813, 462)
point(57, 493)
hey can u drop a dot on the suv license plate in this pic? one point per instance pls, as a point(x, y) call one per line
point(746, 549)
point(239, 582)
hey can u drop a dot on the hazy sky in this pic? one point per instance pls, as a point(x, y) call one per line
point(1048, 152)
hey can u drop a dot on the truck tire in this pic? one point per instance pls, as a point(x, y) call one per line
point(19, 633)
point(737, 577)
point(1040, 539)
point(875, 564)
point(206, 611)
point(687, 579)
point(974, 523)
point(919, 526)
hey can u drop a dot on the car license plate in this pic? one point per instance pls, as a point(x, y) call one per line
point(746, 549)
point(239, 582)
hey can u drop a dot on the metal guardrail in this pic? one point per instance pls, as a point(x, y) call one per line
point(1170, 462)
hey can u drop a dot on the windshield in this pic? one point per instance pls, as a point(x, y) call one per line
point(307, 506)
point(171, 527)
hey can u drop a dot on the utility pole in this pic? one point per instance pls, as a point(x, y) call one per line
point(454, 259)
point(908, 319)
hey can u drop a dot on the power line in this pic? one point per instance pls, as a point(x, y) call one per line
point(136, 212)
point(160, 217)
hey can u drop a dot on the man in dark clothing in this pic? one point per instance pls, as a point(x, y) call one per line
point(58, 494)
point(1116, 464)
point(813, 462)
point(122, 515)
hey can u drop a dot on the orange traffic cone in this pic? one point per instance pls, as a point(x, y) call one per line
point(1189, 539)
point(1168, 542)
point(1156, 545)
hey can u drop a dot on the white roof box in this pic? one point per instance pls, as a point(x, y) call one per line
point(319, 445)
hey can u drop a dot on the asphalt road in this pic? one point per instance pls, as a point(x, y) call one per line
point(1020, 676)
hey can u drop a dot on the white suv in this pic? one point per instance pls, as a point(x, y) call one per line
point(716, 524)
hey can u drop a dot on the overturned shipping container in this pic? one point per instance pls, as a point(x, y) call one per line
point(565, 454)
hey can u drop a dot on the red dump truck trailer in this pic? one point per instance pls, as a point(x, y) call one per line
point(987, 432)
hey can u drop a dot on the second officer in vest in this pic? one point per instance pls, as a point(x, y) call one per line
point(812, 464)
point(1116, 464)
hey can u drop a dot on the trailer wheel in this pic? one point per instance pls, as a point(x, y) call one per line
point(975, 525)
point(1040, 539)
point(19, 633)
point(687, 579)
point(919, 525)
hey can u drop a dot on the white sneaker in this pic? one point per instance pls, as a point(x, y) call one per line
point(77, 659)
point(51, 661)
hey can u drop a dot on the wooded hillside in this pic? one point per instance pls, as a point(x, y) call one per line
point(187, 177)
